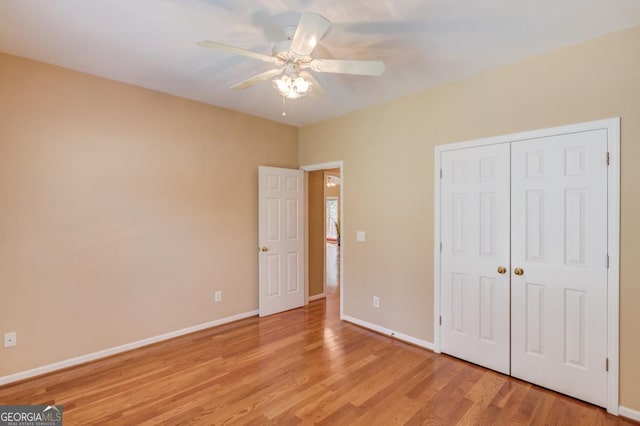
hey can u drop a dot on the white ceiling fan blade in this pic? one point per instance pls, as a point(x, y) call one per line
point(267, 75)
point(236, 50)
point(311, 28)
point(370, 68)
point(316, 89)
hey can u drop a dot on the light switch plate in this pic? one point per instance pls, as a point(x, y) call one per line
point(10, 339)
point(360, 236)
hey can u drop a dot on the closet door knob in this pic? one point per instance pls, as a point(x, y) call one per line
point(518, 271)
point(502, 269)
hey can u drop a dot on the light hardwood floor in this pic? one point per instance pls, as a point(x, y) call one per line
point(299, 367)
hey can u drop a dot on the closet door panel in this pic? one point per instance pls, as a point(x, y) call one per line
point(475, 242)
point(559, 243)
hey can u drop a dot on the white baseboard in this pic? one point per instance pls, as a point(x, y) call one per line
point(316, 297)
point(629, 413)
point(122, 348)
point(391, 333)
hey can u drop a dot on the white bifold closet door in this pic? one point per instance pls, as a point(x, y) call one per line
point(475, 242)
point(559, 241)
point(538, 209)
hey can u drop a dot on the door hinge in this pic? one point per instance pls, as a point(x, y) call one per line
point(607, 364)
point(607, 261)
point(608, 159)
point(440, 246)
point(440, 173)
point(440, 319)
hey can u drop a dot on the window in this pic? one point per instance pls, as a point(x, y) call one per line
point(331, 216)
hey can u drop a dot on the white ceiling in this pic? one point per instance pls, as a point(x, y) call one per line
point(151, 43)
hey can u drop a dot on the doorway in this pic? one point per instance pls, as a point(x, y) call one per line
point(324, 219)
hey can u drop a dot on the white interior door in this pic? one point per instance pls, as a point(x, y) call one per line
point(559, 243)
point(475, 244)
point(281, 239)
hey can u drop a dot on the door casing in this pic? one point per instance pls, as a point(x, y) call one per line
point(324, 166)
point(612, 126)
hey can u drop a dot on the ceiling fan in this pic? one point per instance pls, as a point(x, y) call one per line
point(292, 58)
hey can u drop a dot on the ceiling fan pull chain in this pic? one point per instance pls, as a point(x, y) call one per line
point(284, 113)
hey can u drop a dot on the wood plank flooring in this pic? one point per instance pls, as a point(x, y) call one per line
point(299, 367)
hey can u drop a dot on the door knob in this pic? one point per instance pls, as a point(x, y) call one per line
point(264, 249)
point(502, 269)
point(518, 271)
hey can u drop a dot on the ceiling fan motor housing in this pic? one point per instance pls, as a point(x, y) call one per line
point(291, 68)
point(281, 50)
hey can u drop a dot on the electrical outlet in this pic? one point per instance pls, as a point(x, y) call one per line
point(10, 339)
point(376, 302)
point(218, 296)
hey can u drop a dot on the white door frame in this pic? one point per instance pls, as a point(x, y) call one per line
point(612, 126)
point(324, 166)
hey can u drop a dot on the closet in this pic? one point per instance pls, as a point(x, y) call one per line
point(523, 264)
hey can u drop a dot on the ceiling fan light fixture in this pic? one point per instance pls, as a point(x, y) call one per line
point(302, 85)
point(292, 62)
point(292, 87)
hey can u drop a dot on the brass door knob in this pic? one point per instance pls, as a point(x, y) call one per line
point(502, 269)
point(518, 271)
point(264, 249)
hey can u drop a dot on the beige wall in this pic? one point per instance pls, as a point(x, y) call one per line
point(316, 232)
point(388, 169)
point(122, 210)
